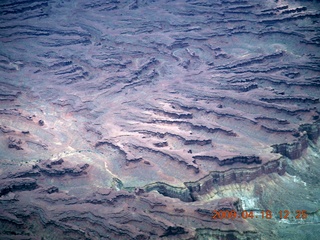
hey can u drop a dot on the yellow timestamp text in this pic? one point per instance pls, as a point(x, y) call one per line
point(265, 214)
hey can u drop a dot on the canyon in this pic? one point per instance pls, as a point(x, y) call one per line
point(137, 119)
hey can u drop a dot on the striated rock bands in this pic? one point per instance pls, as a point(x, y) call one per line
point(124, 119)
point(104, 213)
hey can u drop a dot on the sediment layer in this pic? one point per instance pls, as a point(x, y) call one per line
point(121, 106)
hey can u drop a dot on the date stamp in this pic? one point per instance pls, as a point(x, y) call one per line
point(267, 214)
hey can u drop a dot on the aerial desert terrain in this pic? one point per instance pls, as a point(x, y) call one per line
point(138, 119)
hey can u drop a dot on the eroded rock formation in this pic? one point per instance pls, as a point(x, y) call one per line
point(119, 118)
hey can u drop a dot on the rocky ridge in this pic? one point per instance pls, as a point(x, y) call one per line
point(150, 101)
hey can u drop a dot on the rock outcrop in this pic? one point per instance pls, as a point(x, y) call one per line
point(118, 119)
point(26, 208)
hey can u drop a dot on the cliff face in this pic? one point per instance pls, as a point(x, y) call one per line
point(208, 183)
point(154, 104)
point(32, 207)
point(294, 150)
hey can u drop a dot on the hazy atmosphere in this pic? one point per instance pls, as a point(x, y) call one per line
point(167, 119)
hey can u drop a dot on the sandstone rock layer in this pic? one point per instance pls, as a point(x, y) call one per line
point(120, 119)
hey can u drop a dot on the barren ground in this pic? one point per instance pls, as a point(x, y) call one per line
point(136, 119)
